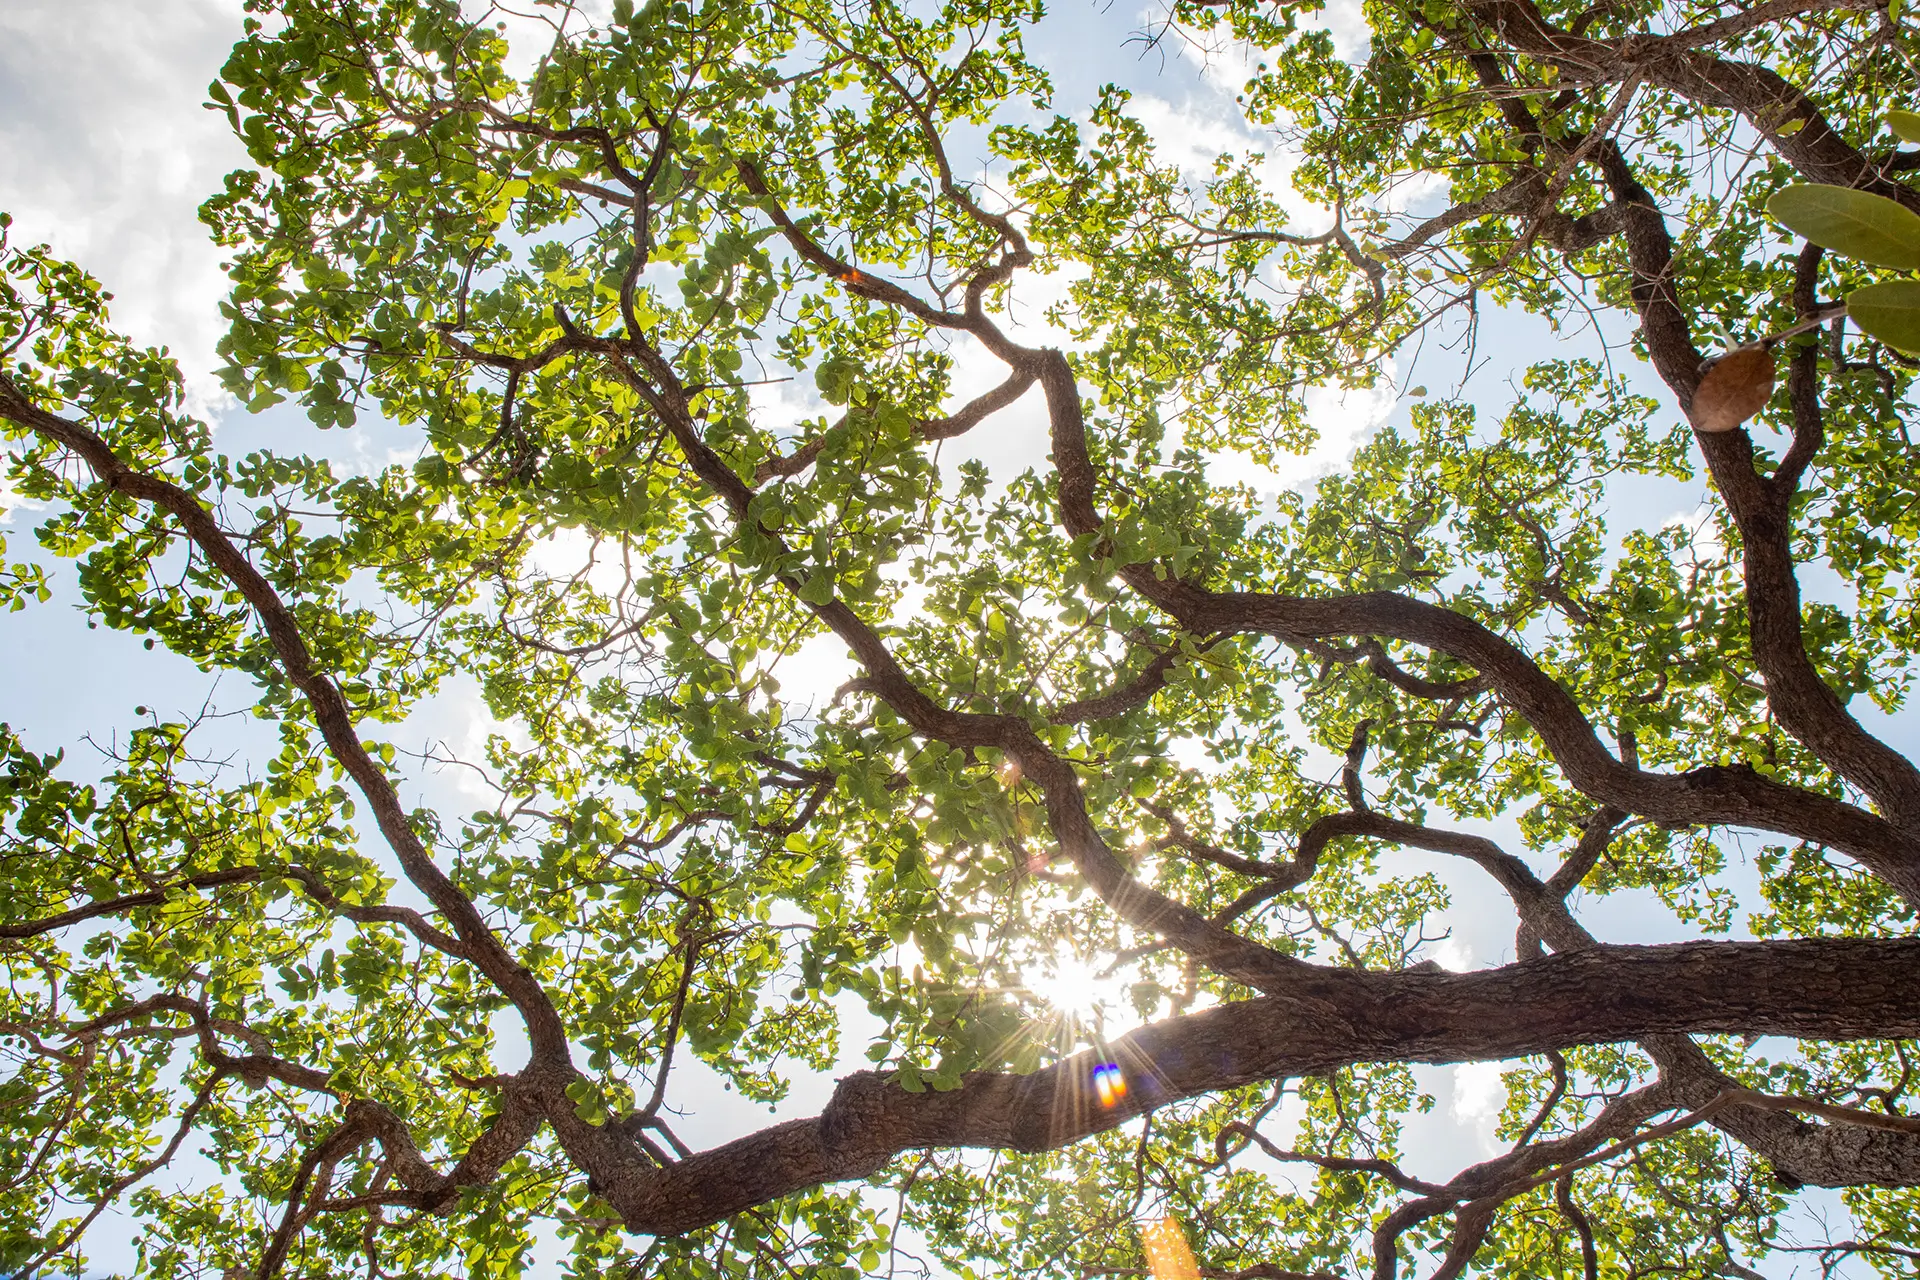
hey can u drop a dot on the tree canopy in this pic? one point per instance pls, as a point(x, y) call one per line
point(678, 307)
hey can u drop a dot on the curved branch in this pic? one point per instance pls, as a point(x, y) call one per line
point(255, 1068)
point(327, 1151)
point(1340, 1164)
point(129, 902)
point(1804, 703)
point(1595, 839)
point(965, 419)
point(668, 1039)
point(1812, 989)
point(1121, 698)
point(1880, 1150)
point(330, 710)
point(1803, 378)
point(973, 320)
point(1833, 1155)
point(1789, 121)
point(1718, 795)
point(1582, 1225)
point(1180, 838)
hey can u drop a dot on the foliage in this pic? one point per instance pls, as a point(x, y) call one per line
point(678, 311)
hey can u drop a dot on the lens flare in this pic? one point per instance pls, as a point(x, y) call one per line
point(1168, 1253)
point(1109, 1084)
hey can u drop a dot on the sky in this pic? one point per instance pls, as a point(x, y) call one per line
point(105, 153)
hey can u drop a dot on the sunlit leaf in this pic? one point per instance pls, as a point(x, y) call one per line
point(1857, 223)
point(1890, 312)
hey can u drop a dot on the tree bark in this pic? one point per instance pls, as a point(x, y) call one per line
point(1820, 989)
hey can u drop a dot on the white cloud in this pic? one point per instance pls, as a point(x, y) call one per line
point(1452, 954)
point(109, 153)
point(1343, 419)
point(566, 552)
point(1703, 533)
point(810, 675)
point(1478, 1095)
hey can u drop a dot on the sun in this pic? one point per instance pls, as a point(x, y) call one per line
point(1079, 989)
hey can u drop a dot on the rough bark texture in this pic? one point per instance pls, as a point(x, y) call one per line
point(1816, 989)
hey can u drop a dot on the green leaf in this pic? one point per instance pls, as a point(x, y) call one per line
point(1861, 225)
point(1905, 124)
point(818, 588)
point(1889, 312)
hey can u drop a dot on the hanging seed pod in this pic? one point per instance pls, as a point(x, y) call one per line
point(1736, 387)
point(1168, 1254)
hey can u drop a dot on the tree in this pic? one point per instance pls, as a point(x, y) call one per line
point(1107, 709)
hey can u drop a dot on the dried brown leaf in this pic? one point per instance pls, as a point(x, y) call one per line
point(1736, 387)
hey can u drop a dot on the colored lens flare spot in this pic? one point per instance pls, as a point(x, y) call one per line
point(1109, 1083)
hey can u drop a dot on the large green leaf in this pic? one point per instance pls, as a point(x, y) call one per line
point(1861, 225)
point(1890, 312)
point(1905, 124)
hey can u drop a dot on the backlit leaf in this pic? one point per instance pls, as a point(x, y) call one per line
point(1890, 312)
point(1857, 223)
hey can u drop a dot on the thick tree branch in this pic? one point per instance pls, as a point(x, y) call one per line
point(1122, 698)
point(1792, 125)
point(1812, 989)
point(1719, 795)
point(1804, 703)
